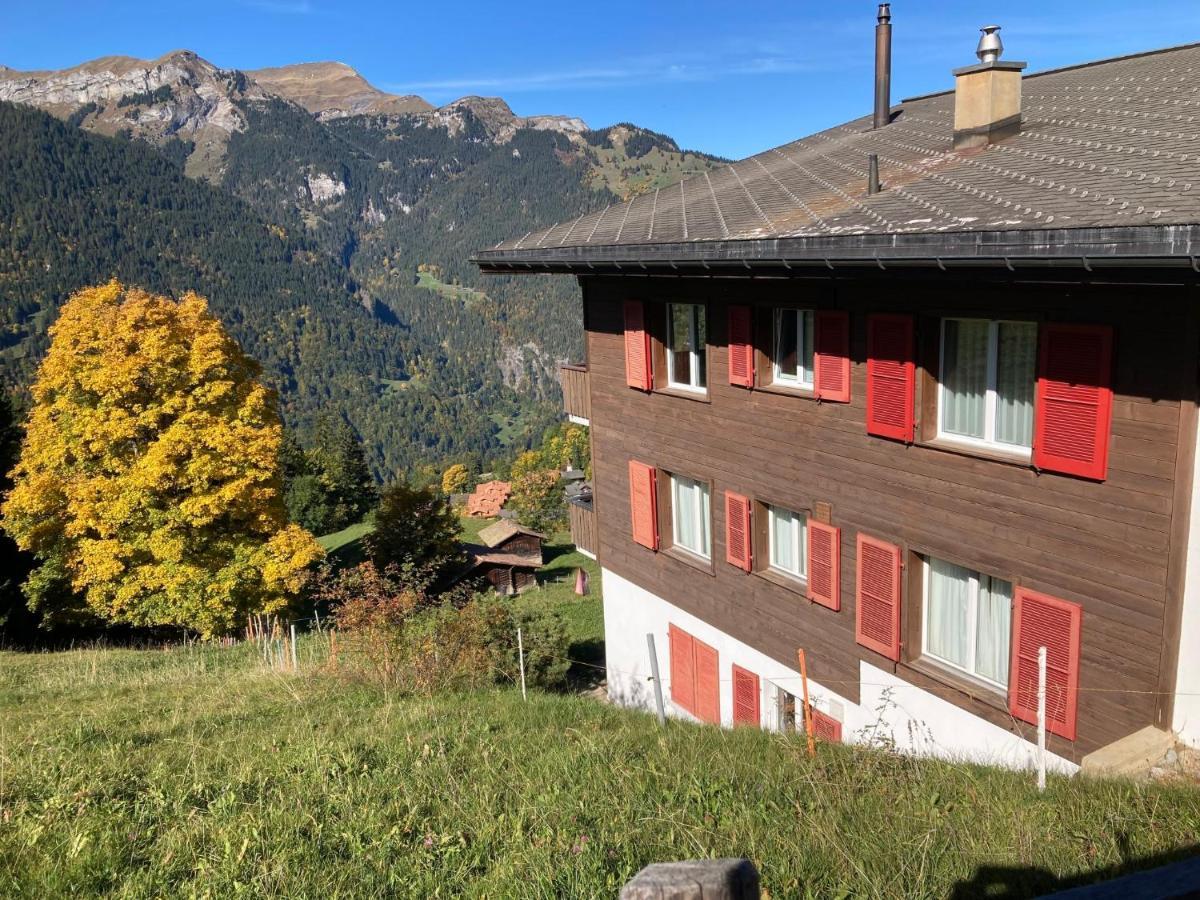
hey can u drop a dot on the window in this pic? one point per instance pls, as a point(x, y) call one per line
point(986, 388)
point(967, 621)
point(687, 343)
point(787, 542)
point(691, 516)
point(787, 711)
point(793, 361)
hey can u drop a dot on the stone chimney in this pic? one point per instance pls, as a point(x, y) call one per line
point(987, 96)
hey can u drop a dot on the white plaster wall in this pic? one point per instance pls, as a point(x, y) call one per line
point(891, 710)
point(1187, 675)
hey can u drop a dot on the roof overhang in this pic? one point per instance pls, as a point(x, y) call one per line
point(1137, 246)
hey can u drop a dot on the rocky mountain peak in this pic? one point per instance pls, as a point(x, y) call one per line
point(333, 90)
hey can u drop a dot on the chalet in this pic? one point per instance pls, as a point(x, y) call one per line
point(917, 395)
point(508, 556)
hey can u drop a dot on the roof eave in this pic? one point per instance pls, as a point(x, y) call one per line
point(1126, 246)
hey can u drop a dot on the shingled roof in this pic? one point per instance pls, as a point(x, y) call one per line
point(1107, 164)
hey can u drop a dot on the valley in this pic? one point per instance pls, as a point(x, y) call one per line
point(354, 198)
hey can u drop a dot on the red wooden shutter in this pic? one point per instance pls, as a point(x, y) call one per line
point(891, 376)
point(1073, 413)
point(877, 610)
point(831, 355)
point(683, 668)
point(746, 698)
point(643, 503)
point(1043, 621)
point(738, 549)
point(708, 683)
point(741, 346)
point(824, 564)
point(637, 346)
point(826, 728)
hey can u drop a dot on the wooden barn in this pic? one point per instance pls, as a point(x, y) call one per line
point(508, 556)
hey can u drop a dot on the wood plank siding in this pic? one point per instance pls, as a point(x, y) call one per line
point(583, 527)
point(1112, 546)
point(576, 401)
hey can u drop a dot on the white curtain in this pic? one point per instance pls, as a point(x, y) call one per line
point(948, 604)
point(685, 514)
point(787, 541)
point(964, 376)
point(992, 629)
point(1017, 348)
point(806, 347)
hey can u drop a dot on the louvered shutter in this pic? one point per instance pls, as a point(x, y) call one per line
point(637, 346)
point(738, 549)
point(877, 606)
point(708, 683)
point(826, 728)
point(824, 564)
point(831, 355)
point(746, 698)
point(741, 346)
point(1043, 621)
point(683, 668)
point(643, 503)
point(1073, 413)
point(891, 376)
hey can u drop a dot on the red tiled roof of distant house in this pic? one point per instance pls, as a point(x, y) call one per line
point(488, 499)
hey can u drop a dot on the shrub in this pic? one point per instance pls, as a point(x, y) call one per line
point(414, 526)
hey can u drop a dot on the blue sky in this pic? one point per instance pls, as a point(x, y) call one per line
point(728, 78)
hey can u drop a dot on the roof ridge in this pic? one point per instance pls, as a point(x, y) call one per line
point(1073, 67)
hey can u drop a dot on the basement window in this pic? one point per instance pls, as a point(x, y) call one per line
point(686, 346)
point(985, 392)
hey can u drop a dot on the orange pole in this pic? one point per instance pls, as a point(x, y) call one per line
point(808, 725)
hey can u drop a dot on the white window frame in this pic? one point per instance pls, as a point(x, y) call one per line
point(799, 549)
point(972, 625)
point(988, 441)
point(775, 701)
point(696, 490)
point(695, 354)
point(777, 375)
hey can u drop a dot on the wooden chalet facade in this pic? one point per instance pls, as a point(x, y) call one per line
point(918, 432)
point(507, 557)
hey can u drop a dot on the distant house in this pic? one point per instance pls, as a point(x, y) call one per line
point(508, 556)
point(917, 395)
point(488, 499)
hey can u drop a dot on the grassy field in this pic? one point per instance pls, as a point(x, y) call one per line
point(194, 772)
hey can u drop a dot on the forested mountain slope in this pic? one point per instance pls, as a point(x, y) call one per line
point(333, 241)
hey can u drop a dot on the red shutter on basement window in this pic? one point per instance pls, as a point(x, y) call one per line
point(831, 355)
point(683, 668)
point(824, 564)
point(877, 610)
point(746, 697)
point(737, 531)
point(891, 376)
point(637, 346)
point(1073, 412)
point(1043, 621)
point(708, 683)
point(826, 728)
point(643, 503)
point(741, 346)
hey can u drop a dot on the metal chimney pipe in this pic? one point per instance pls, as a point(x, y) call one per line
point(883, 66)
point(872, 173)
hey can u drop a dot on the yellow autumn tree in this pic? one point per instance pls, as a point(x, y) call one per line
point(149, 480)
point(454, 479)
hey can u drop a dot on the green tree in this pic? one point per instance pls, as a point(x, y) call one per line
point(149, 479)
point(14, 565)
point(415, 526)
point(341, 464)
point(537, 499)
